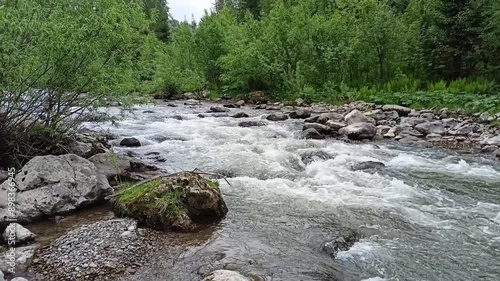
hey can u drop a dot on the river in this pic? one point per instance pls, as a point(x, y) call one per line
point(429, 215)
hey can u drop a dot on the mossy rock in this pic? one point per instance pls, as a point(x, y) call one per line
point(180, 202)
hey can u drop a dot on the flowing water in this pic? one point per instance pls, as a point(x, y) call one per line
point(429, 215)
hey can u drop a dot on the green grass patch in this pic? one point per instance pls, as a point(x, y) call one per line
point(152, 198)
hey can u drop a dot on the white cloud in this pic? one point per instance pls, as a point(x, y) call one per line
point(186, 9)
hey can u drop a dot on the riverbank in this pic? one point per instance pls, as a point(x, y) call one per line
point(451, 129)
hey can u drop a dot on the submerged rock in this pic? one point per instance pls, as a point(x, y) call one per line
point(130, 142)
point(50, 185)
point(340, 243)
point(240, 115)
point(246, 124)
point(368, 165)
point(277, 117)
point(218, 109)
point(312, 133)
point(300, 114)
point(225, 275)
point(180, 202)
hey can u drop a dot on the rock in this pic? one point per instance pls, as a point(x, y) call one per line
point(357, 116)
point(383, 129)
point(22, 258)
point(240, 115)
point(411, 121)
point(368, 165)
point(464, 128)
point(240, 103)
point(277, 117)
point(408, 139)
point(300, 114)
point(246, 124)
point(322, 129)
point(325, 117)
point(312, 134)
point(225, 275)
point(486, 117)
point(426, 128)
point(50, 185)
point(171, 105)
point(433, 137)
point(409, 132)
point(81, 149)
point(450, 122)
point(226, 97)
point(274, 107)
point(258, 97)
point(261, 106)
point(2, 277)
point(401, 110)
point(192, 102)
point(312, 119)
point(19, 279)
point(130, 142)
point(492, 141)
point(335, 126)
point(429, 116)
point(218, 109)
point(489, 149)
point(300, 102)
point(340, 243)
point(392, 115)
point(443, 113)
point(189, 96)
point(177, 201)
point(393, 132)
point(359, 131)
point(18, 233)
point(376, 114)
point(307, 157)
point(117, 168)
point(230, 105)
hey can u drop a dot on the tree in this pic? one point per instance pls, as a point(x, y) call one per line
point(60, 61)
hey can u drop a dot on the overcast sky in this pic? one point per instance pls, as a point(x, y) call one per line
point(184, 9)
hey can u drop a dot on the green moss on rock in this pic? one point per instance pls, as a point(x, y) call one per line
point(180, 202)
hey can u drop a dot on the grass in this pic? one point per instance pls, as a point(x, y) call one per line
point(159, 201)
point(152, 198)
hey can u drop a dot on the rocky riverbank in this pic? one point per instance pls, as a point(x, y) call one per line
point(362, 121)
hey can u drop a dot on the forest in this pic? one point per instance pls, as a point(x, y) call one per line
point(63, 59)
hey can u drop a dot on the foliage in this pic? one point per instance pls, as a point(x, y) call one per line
point(63, 59)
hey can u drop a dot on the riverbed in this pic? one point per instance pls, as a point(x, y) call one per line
point(429, 215)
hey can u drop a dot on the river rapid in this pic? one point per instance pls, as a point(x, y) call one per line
point(429, 215)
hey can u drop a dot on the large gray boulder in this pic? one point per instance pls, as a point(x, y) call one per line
point(359, 131)
point(225, 275)
point(50, 185)
point(357, 116)
point(323, 129)
point(19, 233)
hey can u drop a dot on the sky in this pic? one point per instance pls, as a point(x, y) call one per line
point(184, 9)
